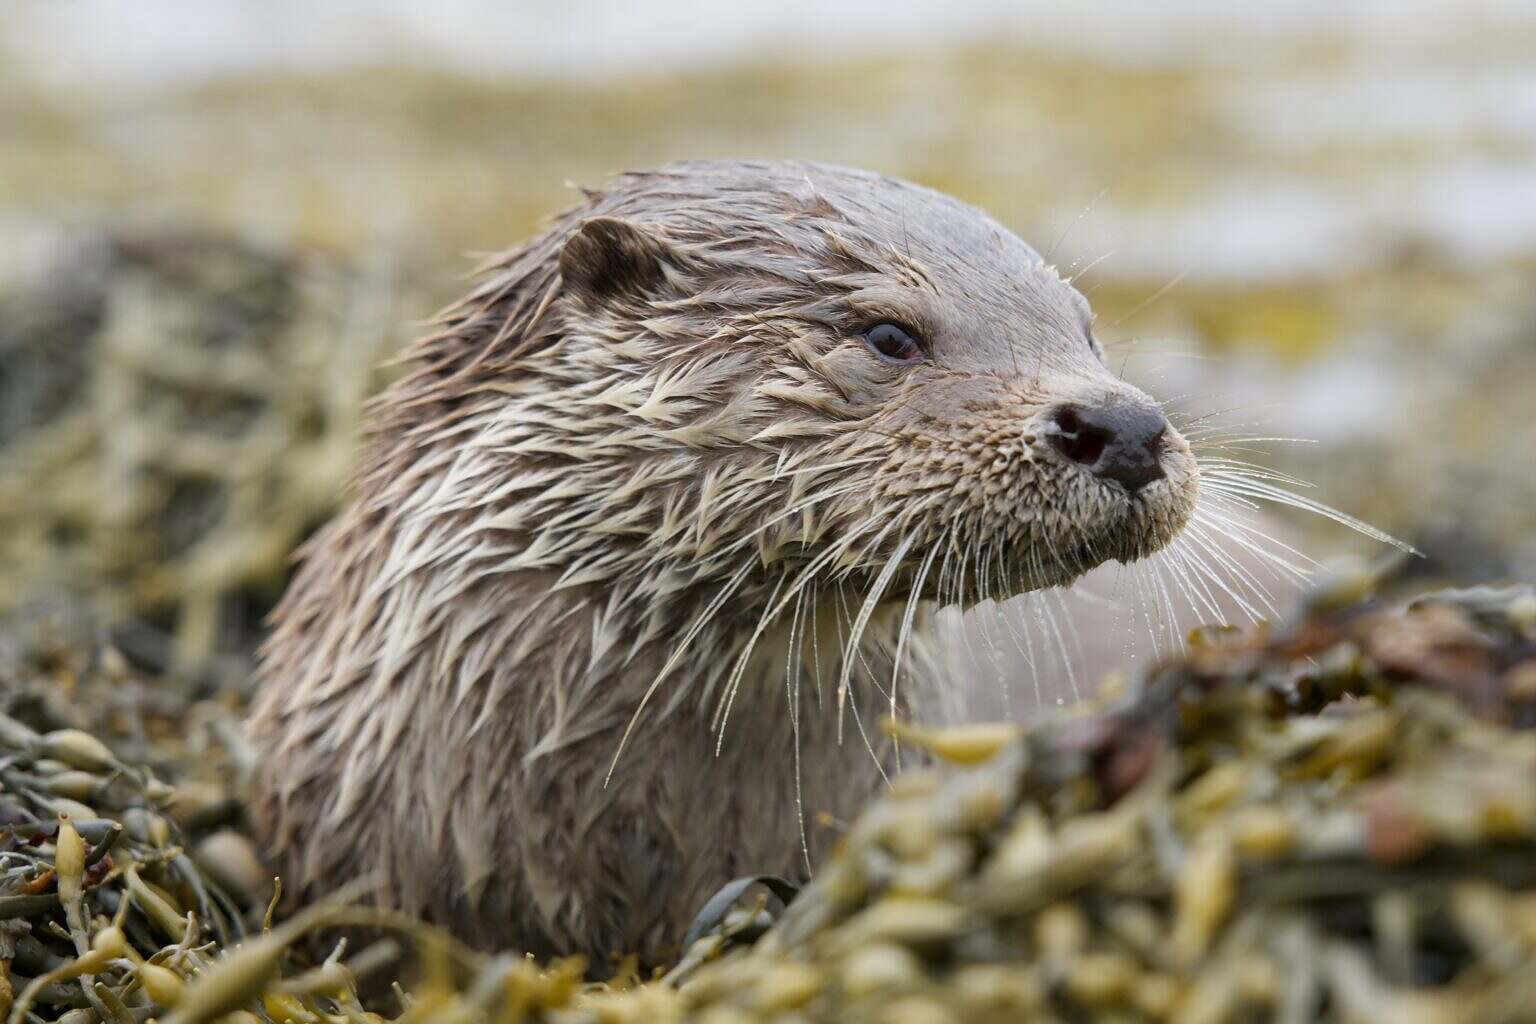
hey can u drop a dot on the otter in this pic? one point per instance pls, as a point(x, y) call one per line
point(646, 537)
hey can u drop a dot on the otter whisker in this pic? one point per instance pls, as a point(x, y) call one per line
point(1166, 569)
point(1052, 631)
point(860, 538)
point(1249, 470)
point(858, 723)
point(1198, 538)
point(948, 543)
point(852, 702)
point(1144, 303)
point(1216, 440)
point(1048, 619)
point(1214, 427)
point(983, 563)
point(1232, 501)
point(870, 674)
point(1030, 660)
point(1170, 615)
point(1150, 602)
point(1019, 632)
point(1140, 607)
point(1074, 222)
point(992, 670)
point(1233, 483)
point(1131, 351)
point(1209, 522)
point(1003, 685)
point(1199, 552)
point(1167, 404)
point(794, 658)
point(772, 609)
point(1070, 569)
point(1131, 578)
point(1202, 576)
point(1253, 539)
point(1236, 433)
point(1236, 444)
point(962, 591)
point(1147, 593)
point(1184, 565)
point(1128, 641)
point(1091, 264)
point(907, 616)
point(1243, 588)
point(1055, 594)
point(728, 694)
point(816, 643)
point(793, 662)
point(698, 625)
point(1036, 568)
point(862, 622)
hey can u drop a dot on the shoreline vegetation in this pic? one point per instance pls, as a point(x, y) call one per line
point(1326, 819)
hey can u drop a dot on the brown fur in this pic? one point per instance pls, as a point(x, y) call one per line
point(647, 475)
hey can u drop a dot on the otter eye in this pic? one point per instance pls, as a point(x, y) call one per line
point(893, 344)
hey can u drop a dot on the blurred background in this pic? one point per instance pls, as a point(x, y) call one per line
point(219, 218)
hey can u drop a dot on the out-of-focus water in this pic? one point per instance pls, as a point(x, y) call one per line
point(1350, 121)
point(159, 40)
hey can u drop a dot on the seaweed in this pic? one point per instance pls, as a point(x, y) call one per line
point(1330, 819)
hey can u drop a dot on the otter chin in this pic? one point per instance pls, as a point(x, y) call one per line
point(650, 532)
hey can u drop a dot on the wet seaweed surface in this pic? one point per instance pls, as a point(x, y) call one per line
point(1328, 820)
point(178, 408)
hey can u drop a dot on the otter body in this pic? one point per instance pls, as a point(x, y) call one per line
point(643, 546)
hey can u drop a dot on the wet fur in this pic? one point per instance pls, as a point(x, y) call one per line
point(636, 494)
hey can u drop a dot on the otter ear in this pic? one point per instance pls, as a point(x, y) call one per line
point(607, 257)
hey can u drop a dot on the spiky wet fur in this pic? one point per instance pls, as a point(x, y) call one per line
point(623, 580)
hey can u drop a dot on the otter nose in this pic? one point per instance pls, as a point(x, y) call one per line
point(1119, 442)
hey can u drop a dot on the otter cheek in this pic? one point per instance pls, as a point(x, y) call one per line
point(864, 382)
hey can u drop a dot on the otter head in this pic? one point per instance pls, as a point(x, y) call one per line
point(852, 378)
point(643, 448)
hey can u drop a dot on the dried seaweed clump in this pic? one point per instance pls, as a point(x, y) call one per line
point(176, 411)
point(1331, 822)
point(105, 917)
point(1336, 823)
point(129, 891)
